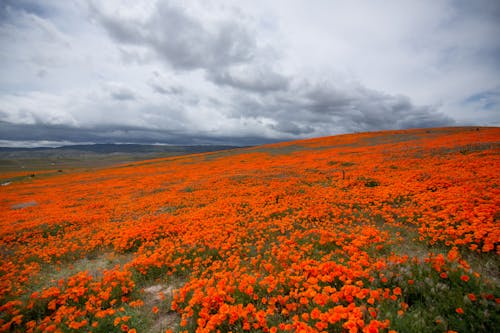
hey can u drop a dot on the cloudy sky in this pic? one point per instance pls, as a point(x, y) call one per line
point(242, 72)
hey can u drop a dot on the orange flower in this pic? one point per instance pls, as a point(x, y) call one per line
point(459, 310)
point(315, 314)
point(321, 326)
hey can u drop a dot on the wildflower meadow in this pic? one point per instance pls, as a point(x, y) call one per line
point(393, 231)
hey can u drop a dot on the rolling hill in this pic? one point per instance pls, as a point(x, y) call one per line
point(393, 231)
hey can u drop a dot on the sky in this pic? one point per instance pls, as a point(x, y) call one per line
point(242, 72)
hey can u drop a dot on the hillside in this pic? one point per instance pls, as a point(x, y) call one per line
point(367, 232)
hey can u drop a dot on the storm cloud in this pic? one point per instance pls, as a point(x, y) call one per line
point(181, 39)
point(234, 73)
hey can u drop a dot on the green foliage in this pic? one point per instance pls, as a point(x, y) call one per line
point(452, 299)
point(371, 183)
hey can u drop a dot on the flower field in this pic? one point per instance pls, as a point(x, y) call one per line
point(394, 231)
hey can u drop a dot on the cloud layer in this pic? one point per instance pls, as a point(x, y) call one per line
point(225, 72)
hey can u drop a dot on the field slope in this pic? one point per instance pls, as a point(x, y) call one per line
point(369, 232)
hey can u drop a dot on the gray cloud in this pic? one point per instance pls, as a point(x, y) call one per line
point(166, 90)
point(183, 41)
point(290, 127)
point(224, 48)
point(252, 78)
point(359, 108)
point(41, 73)
point(122, 94)
point(27, 6)
point(486, 100)
point(306, 109)
point(120, 134)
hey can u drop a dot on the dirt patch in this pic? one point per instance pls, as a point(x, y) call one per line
point(159, 292)
point(160, 296)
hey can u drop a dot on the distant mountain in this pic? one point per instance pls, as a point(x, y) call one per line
point(108, 148)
